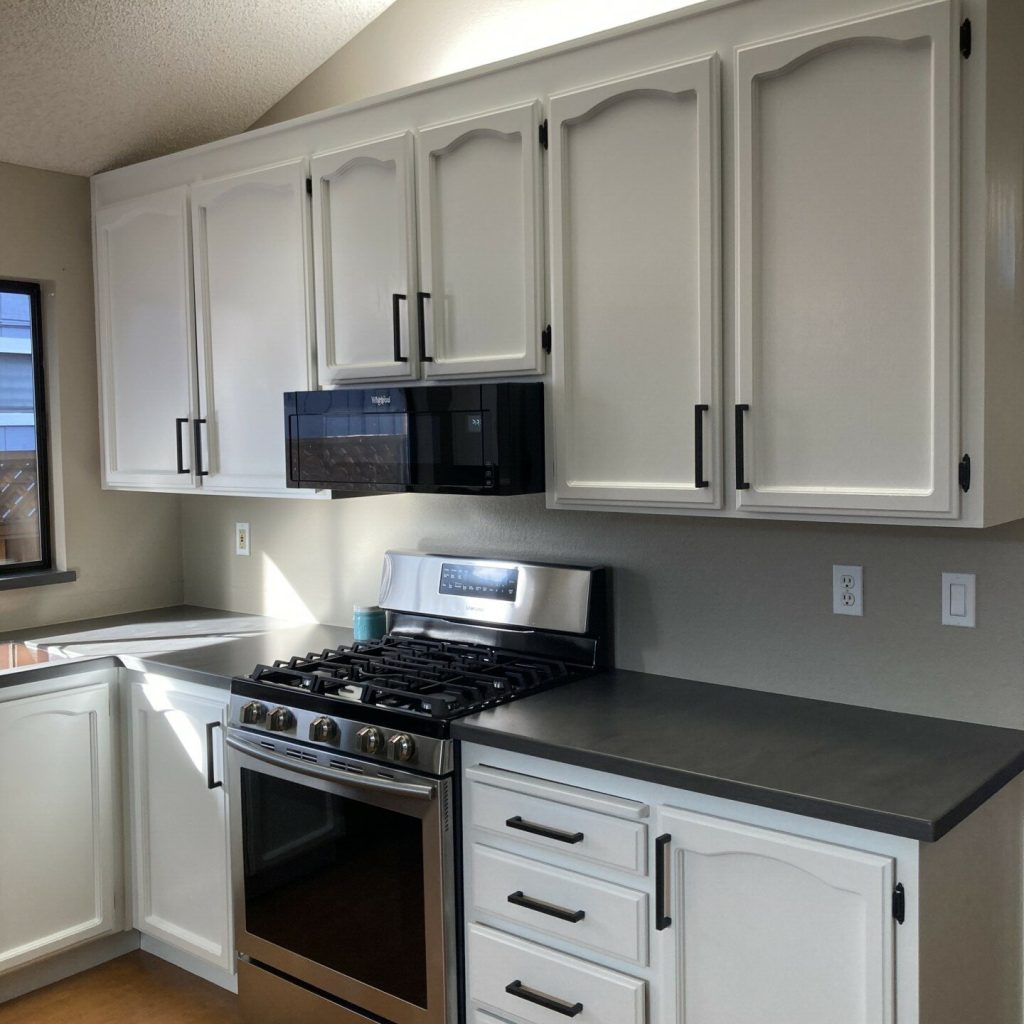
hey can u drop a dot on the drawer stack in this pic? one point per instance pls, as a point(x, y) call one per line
point(556, 879)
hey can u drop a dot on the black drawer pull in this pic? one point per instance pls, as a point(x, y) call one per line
point(421, 318)
point(542, 830)
point(520, 991)
point(742, 483)
point(572, 916)
point(396, 321)
point(179, 444)
point(699, 479)
point(198, 438)
point(211, 783)
point(661, 847)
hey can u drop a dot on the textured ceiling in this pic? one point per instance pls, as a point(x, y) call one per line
point(86, 85)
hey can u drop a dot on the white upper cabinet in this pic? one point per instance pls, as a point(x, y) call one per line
point(364, 246)
point(146, 341)
point(481, 298)
point(634, 200)
point(847, 361)
point(250, 237)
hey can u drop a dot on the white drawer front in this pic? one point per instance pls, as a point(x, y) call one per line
point(571, 831)
point(614, 919)
point(497, 961)
point(478, 1016)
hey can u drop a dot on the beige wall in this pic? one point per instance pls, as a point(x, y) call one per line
point(730, 602)
point(126, 547)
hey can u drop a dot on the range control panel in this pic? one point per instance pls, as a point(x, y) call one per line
point(489, 581)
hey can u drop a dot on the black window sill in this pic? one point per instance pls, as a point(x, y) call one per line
point(17, 581)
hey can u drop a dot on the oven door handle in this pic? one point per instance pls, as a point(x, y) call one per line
point(416, 789)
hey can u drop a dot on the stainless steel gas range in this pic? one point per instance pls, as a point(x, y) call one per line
point(343, 810)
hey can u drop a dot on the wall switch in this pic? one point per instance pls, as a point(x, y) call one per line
point(958, 599)
point(242, 539)
point(847, 590)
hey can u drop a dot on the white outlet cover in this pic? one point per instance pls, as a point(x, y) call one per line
point(848, 590)
point(243, 539)
point(958, 599)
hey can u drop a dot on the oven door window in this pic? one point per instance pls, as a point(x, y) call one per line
point(337, 881)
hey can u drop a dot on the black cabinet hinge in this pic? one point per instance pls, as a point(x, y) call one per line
point(542, 133)
point(965, 474)
point(965, 38)
point(309, 186)
point(545, 338)
point(899, 903)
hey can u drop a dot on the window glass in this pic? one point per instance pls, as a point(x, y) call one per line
point(24, 505)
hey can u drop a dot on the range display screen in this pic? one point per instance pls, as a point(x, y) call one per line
point(478, 581)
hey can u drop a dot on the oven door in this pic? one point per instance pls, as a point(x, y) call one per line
point(343, 881)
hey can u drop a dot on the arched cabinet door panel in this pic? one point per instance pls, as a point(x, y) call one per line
point(481, 244)
point(847, 360)
point(636, 347)
point(364, 256)
point(769, 927)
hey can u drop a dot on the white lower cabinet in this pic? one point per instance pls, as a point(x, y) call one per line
point(179, 823)
point(60, 841)
point(742, 914)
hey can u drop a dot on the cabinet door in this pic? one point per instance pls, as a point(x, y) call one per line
point(179, 823)
point(768, 928)
point(59, 843)
point(847, 351)
point(146, 341)
point(364, 256)
point(635, 316)
point(480, 204)
point(250, 235)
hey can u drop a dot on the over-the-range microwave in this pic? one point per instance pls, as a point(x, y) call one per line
point(454, 439)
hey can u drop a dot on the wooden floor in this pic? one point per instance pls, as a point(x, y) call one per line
point(134, 989)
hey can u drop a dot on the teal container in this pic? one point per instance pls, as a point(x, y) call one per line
point(368, 622)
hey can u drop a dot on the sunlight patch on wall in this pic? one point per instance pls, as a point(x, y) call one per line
point(280, 598)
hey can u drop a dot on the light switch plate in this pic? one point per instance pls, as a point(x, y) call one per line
point(243, 540)
point(958, 599)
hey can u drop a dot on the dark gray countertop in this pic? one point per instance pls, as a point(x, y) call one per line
point(906, 775)
point(201, 644)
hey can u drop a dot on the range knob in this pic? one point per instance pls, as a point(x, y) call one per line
point(369, 740)
point(253, 713)
point(281, 720)
point(323, 729)
point(401, 747)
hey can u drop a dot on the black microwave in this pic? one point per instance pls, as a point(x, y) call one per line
point(448, 439)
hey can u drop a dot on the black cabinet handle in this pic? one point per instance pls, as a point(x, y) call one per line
point(520, 991)
point(662, 920)
point(421, 318)
point(396, 300)
point(542, 830)
point(179, 445)
point(198, 434)
point(210, 783)
point(572, 916)
point(742, 483)
point(698, 445)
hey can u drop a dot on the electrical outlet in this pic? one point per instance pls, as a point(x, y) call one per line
point(847, 590)
point(243, 540)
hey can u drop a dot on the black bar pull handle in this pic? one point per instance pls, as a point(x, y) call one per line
point(698, 445)
point(421, 318)
point(566, 1009)
point(179, 444)
point(528, 903)
point(662, 919)
point(543, 830)
point(396, 301)
point(198, 435)
point(210, 782)
point(742, 483)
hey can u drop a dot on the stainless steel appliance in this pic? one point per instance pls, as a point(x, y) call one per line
point(343, 812)
point(442, 438)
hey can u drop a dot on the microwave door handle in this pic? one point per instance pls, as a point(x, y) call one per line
point(415, 789)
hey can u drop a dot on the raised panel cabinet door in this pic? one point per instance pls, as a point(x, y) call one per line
point(481, 301)
point(635, 197)
point(250, 235)
point(768, 928)
point(364, 258)
point(58, 846)
point(179, 821)
point(145, 320)
point(847, 350)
